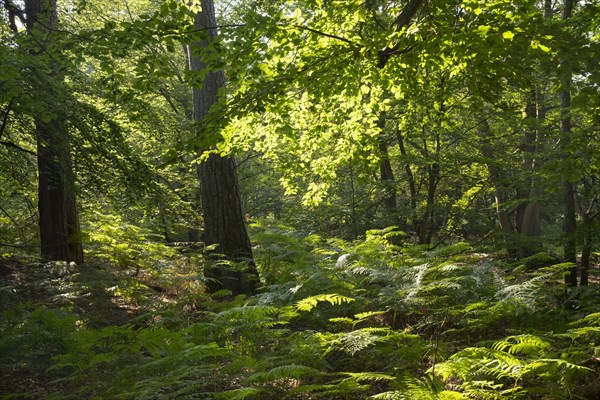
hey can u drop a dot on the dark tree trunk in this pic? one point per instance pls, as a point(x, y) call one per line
point(569, 230)
point(389, 184)
point(59, 223)
point(427, 227)
point(528, 211)
point(586, 248)
point(224, 224)
point(498, 179)
point(390, 202)
point(588, 217)
point(388, 181)
point(412, 186)
point(570, 222)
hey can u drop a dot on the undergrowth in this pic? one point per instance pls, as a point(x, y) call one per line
point(334, 320)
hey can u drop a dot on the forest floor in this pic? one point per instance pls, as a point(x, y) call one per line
point(89, 295)
point(95, 295)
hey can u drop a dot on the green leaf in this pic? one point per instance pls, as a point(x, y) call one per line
point(508, 35)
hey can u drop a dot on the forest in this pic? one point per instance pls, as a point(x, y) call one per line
point(300, 199)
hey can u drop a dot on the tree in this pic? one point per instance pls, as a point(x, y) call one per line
point(570, 223)
point(224, 224)
point(59, 221)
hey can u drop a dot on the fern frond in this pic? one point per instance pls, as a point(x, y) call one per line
point(393, 395)
point(590, 319)
point(239, 394)
point(527, 291)
point(476, 360)
point(522, 344)
point(454, 249)
point(368, 376)
point(368, 314)
point(426, 388)
point(343, 389)
point(249, 313)
point(450, 395)
point(311, 302)
point(281, 372)
point(355, 341)
point(586, 331)
point(451, 267)
point(342, 320)
point(552, 365)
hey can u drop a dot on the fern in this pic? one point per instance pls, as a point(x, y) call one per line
point(282, 372)
point(256, 315)
point(448, 325)
point(368, 376)
point(590, 319)
point(523, 344)
point(239, 394)
point(553, 366)
point(309, 303)
point(355, 341)
point(425, 388)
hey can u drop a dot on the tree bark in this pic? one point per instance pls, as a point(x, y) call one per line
point(497, 177)
point(427, 228)
point(586, 248)
point(427, 225)
point(412, 186)
point(388, 179)
point(528, 211)
point(570, 222)
point(59, 222)
point(224, 224)
point(389, 182)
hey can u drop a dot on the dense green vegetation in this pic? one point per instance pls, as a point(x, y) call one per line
point(391, 322)
point(299, 199)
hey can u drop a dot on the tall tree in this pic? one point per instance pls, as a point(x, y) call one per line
point(224, 224)
point(388, 181)
point(528, 191)
point(570, 222)
point(59, 222)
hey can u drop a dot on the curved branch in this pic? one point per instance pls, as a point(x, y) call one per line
point(14, 12)
point(5, 118)
point(329, 35)
point(402, 20)
point(14, 146)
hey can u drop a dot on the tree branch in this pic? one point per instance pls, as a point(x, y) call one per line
point(14, 146)
point(329, 35)
point(5, 118)
point(403, 19)
point(13, 11)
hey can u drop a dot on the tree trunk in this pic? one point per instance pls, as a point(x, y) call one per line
point(388, 181)
point(528, 211)
point(427, 225)
point(224, 224)
point(497, 177)
point(59, 223)
point(427, 228)
point(412, 186)
point(570, 223)
point(586, 248)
